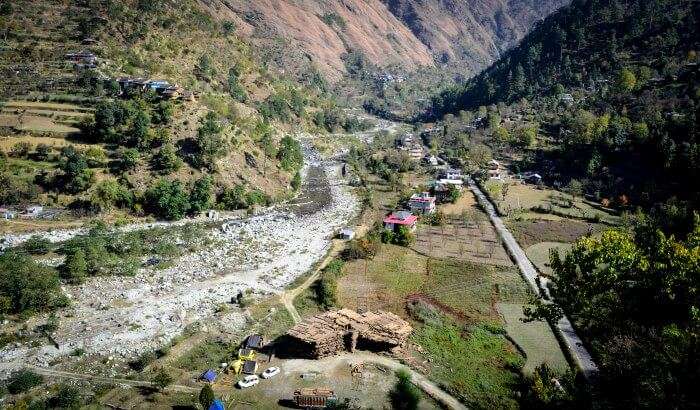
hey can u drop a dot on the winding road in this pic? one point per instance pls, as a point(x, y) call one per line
point(574, 344)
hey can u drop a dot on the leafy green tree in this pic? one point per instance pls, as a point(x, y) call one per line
point(201, 194)
point(206, 396)
point(168, 200)
point(527, 136)
point(210, 142)
point(163, 113)
point(626, 80)
point(139, 134)
point(110, 193)
point(290, 154)
point(74, 269)
point(166, 160)
point(26, 286)
point(77, 177)
point(501, 134)
point(162, 379)
point(405, 395)
point(128, 158)
point(233, 198)
point(42, 152)
point(404, 236)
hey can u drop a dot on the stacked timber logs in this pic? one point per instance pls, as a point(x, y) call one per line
point(329, 333)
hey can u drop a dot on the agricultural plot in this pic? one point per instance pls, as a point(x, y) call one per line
point(532, 202)
point(534, 338)
point(474, 241)
point(43, 118)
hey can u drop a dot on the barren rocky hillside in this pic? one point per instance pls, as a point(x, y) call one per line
point(408, 33)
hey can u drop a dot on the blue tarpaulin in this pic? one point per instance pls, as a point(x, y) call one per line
point(209, 375)
point(217, 405)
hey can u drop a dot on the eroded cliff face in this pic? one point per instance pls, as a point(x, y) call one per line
point(406, 33)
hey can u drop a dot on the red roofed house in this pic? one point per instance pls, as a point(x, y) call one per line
point(422, 203)
point(400, 218)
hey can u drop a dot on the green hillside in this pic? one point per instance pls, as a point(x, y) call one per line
point(74, 133)
point(613, 86)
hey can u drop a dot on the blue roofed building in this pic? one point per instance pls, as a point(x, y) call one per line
point(217, 405)
point(209, 375)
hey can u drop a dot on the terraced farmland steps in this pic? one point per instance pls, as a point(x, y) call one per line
point(564, 328)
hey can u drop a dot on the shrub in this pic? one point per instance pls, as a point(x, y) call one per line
point(162, 379)
point(296, 181)
point(23, 381)
point(67, 397)
point(143, 361)
point(168, 200)
point(206, 396)
point(405, 395)
point(74, 269)
point(327, 290)
point(201, 194)
point(404, 237)
point(20, 149)
point(37, 245)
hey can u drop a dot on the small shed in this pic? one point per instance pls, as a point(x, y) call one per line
point(250, 367)
point(217, 405)
point(347, 234)
point(254, 342)
point(208, 376)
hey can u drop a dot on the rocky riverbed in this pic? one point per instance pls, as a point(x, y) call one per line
point(124, 316)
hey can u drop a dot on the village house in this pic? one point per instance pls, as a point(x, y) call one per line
point(431, 160)
point(33, 211)
point(7, 214)
point(452, 174)
point(404, 141)
point(422, 203)
point(399, 219)
point(83, 59)
point(494, 169)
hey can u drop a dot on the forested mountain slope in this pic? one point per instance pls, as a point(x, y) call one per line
point(617, 82)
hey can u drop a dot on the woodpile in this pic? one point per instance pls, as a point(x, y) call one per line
point(330, 333)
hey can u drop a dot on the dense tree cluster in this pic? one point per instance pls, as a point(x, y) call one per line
point(28, 287)
point(636, 299)
point(618, 83)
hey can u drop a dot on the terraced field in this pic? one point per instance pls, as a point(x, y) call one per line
point(43, 118)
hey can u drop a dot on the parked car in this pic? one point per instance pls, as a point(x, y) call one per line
point(270, 372)
point(248, 381)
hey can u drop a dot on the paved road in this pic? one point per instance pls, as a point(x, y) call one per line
point(92, 378)
point(572, 341)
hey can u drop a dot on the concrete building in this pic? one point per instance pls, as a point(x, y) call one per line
point(422, 203)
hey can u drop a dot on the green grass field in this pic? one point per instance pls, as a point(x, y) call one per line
point(539, 254)
point(535, 338)
point(477, 366)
